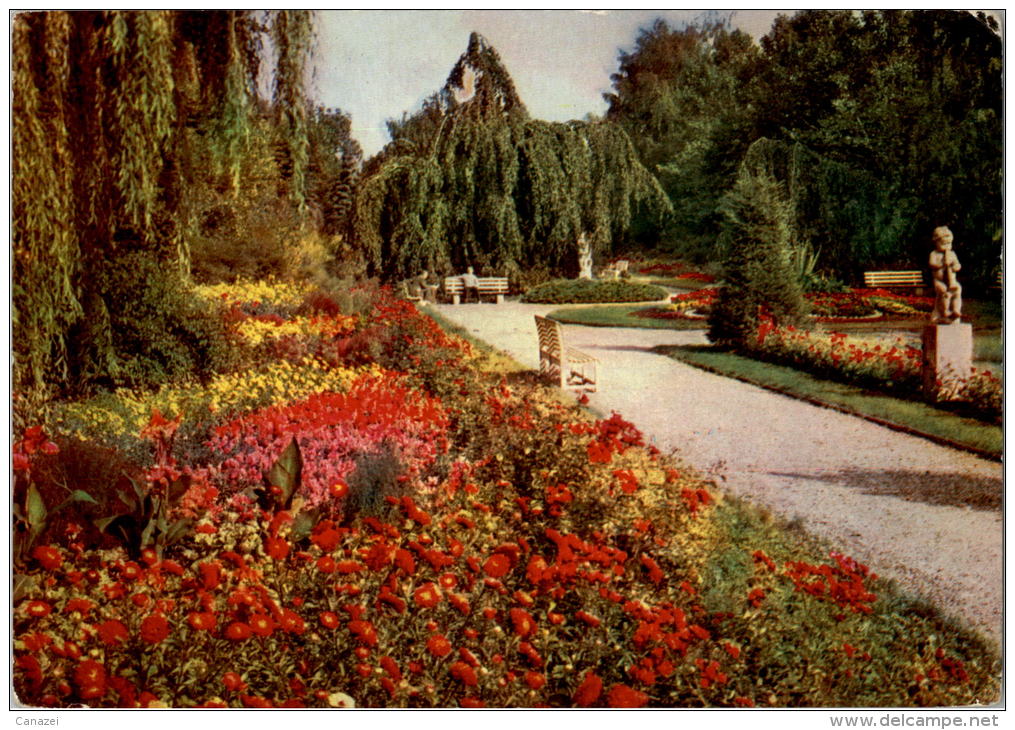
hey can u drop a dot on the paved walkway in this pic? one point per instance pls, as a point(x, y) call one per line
point(888, 499)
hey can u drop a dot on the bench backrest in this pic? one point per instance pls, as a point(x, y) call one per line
point(875, 279)
point(493, 285)
point(549, 335)
point(453, 285)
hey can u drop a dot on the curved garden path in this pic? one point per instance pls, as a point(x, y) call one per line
point(896, 502)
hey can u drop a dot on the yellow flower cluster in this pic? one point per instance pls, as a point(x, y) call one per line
point(255, 332)
point(276, 293)
point(125, 412)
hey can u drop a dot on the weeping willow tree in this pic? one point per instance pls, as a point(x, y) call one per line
point(115, 114)
point(472, 180)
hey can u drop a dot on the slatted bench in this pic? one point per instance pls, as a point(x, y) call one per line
point(893, 279)
point(495, 286)
point(569, 367)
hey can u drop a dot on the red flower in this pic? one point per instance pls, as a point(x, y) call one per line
point(535, 680)
point(38, 609)
point(131, 571)
point(472, 702)
point(497, 566)
point(523, 623)
point(404, 560)
point(589, 690)
point(90, 677)
point(202, 621)
point(623, 696)
point(438, 645)
point(112, 632)
point(81, 605)
point(329, 620)
point(258, 702)
point(339, 490)
point(388, 665)
point(364, 631)
point(291, 621)
point(588, 618)
point(237, 631)
point(276, 548)
point(211, 574)
point(48, 557)
point(427, 595)
point(261, 624)
point(233, 682)
point(464, 673)
point(154, 628)
point(326, 564)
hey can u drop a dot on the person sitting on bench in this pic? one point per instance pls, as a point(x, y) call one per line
point(470, 283)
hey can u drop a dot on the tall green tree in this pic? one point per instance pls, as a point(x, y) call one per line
point(681, 96)
point(334, 168)
point(472, 180)
point(921, 114)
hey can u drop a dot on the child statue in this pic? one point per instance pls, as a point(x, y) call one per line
point(943, 266)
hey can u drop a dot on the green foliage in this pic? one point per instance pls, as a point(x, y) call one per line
point(373, 480)
point(333, 171)
point(759, 277)
point(470, 180)
point(161, 331)
point(564, 291)
point(124, 124)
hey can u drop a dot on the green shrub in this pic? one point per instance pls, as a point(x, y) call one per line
point(566, 291)
point(153, 332)
point(759, 272)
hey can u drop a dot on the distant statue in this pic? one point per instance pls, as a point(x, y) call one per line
point(584, 258)
point(943, 266)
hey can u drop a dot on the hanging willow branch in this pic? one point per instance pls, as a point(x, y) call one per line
point(506, 192)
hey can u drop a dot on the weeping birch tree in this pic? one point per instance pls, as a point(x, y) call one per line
point(473, 180)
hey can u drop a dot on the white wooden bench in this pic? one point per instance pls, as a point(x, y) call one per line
point(571, 368)
point(495, 286)
point(614, 270)
point(893, 279)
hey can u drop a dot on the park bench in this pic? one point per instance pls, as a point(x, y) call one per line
point(495, 286)
point(615, 270)
point(570, 367)
point(893, 279)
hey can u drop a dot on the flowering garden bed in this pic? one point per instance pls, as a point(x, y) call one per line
point(363, 515)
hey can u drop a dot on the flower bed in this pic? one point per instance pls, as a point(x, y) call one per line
point(426, 534)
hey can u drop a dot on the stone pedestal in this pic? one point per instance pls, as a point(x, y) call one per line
point(947, 358)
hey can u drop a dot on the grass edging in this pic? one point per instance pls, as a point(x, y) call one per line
point(686, 354)
point(597, 317)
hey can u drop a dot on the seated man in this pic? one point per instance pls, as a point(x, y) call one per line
point(470, 283)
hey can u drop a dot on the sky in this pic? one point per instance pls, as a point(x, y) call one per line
point(377, 64)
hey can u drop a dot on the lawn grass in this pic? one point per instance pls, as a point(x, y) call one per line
point(921, 418)
point(619, 316)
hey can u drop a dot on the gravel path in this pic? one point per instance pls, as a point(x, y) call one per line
point(893, 501)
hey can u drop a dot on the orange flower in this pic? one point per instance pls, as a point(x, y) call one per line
point(154, 628)
point(237, 631)
point(523, 623)
point(326, 564)
point(448, 580)
point(112, 632)
point(438, 645)
point(339, 490)
point(329, 620)
point(131, 571)
point(405, 561)
point(497, 566)
point(388, 665)
point(48, 557)
point(38, 609)
point(427, 595)
point(623, 696)
point(535, 680)
point(589, 690)
point(460, 603)
point(464, 673)
point(261, 624)
point(202, 621)
point(233, 682)
point(292, 622)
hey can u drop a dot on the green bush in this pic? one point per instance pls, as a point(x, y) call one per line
point(759, 272)
point(155, 331)
point(568, 291)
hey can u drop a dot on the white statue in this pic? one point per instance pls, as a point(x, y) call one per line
point(584, 258)
point(943, 266)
